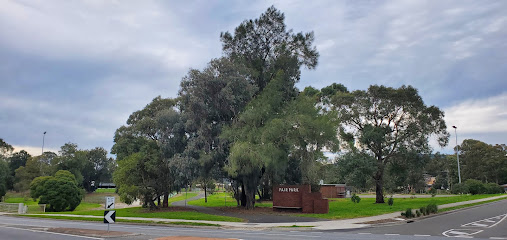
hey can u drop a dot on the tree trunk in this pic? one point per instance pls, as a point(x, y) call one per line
point(158, 201)
point(205, 194)
point(243, 195)
point(250, 197)
point(165, 204)
point(379, 185)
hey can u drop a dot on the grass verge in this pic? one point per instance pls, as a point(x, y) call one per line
point(468, 205)
point(344, 208)
point(224, 199)
point(122, 220)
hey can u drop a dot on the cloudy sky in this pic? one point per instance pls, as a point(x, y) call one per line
point(77, 69)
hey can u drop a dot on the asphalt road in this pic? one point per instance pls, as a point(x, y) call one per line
point(484, 221)
point(487, 221)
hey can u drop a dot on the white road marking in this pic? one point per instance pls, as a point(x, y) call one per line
point(392, 234)
point(364, 233)
point(62, 234)
point(466, 233)
point(421, 235)
point(497, 238)
point(487, 223)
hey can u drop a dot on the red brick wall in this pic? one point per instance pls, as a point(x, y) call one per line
point(329, 191)
point(287, 196)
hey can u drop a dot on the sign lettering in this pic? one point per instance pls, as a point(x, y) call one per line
point(288, 189)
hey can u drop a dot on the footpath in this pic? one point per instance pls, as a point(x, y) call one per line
point(320, 225)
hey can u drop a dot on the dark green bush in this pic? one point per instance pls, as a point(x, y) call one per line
point(475, 186)
point(423, 211)
point(390, 202)
point(60, 191)
point(355, 198)
point(460, 188)
point(408, 213)
point(417, 213)
point(432, 208)
point(493, 188)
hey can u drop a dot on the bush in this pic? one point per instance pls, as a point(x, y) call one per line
point(431, 208)
point(433, 192)
point(417, 213)
point(408, 213)
point(355, 198)
point(475, 186)
point(460, 188)
point(424, 211)
point(390, 202)
point(60, 192)
point(493, 188)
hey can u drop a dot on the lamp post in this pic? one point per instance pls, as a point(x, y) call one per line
point(457, 154)
point(43, 136)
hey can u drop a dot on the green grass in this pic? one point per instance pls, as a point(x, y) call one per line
point(105, 190)
point(342, 208)
point(122, 220)
point(145, 213)
point(223, 199)
point(182, 196)
point(468, 205)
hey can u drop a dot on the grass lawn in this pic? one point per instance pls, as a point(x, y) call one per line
point(105, 190)
point(342, 208)
point(182, 196)
point(145, 213)
point(224, 199)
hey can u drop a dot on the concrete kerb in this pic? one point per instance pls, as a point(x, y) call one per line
point(319, 225)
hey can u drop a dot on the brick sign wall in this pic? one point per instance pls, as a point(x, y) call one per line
point(299, 197)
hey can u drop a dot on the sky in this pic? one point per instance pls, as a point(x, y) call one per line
point(78, 69)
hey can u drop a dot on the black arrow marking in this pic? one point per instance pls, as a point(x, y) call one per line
point(110, 205)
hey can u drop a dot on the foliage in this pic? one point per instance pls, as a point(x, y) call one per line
point(35, 166)
point(149, 153)
point(265, 46)
point(4, 175)
point(357, 168)
point(460, 188)
point(408, 213)
point(424, 211)
point(417, 213)
point(390, 201)
point(355, 198)
point(387, 122)
point(493, 188)
point(482, 161)
point(431, 208)
point(60, 191)
point(475, 186)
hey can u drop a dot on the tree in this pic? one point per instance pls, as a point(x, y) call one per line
point(265, 46)
point(210, 100)
point(4, 175)
point(273, 130)
point(5, 149)
point(385, 121)
point(35, 166)
point(17, 160)
point(60, 191)
point(146, 149)
point(97, 167)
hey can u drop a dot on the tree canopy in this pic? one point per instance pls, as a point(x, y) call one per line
point(385, 122)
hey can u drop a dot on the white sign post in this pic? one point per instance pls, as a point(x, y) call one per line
point(109, 202)
point(109, 216)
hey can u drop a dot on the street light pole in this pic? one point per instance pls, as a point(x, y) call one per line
point(43, 136)
point(457, 148)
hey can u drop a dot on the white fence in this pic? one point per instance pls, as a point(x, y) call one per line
point(19, 208)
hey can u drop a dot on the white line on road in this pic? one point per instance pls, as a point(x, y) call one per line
point(421, 235)
point(392, 234)
point(364, 233)
point(497, 238)
point(63, 234)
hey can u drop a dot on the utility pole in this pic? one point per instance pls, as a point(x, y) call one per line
point(457, 151)
point(43, 136)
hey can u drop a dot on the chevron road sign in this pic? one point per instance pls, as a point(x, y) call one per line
point(109, 216)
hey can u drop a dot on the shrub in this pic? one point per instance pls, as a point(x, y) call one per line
point(60, 192)
point(408, 213)
point(433, 192)
point(417, 213)
point(460, 188)
point(423, 211)
point(390, 202)
point(493, 188)
point(475, 186)
point(431, 208)
point(355, 198)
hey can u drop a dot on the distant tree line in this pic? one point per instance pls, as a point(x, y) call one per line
point(19, 169)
